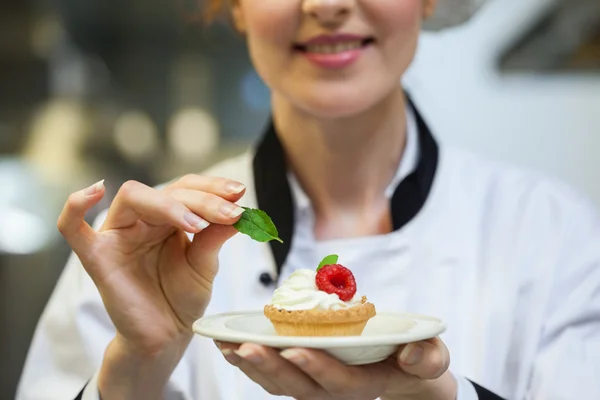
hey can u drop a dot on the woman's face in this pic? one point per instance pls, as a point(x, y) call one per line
point(332, 58)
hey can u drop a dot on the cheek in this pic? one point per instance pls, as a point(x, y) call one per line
point(398, 21)
point(270, 24)
point(270, 29)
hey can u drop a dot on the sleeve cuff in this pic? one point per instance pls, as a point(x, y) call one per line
point(465, 389)
point(469, 390)
point(484, 394)
point(90, 391)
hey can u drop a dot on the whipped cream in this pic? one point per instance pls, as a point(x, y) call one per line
point(300, 292)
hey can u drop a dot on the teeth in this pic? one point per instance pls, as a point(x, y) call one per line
point(333, 48)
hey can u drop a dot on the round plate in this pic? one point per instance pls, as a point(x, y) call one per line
point(382, 336)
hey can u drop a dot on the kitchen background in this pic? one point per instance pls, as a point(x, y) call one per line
point(119, 90)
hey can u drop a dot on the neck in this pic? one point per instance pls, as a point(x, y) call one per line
point(344, 165)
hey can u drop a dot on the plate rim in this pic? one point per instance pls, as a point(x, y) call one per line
point(320, 342)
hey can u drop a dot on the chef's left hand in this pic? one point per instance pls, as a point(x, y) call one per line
point(417, 371)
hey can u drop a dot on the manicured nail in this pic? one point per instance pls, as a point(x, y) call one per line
point(231, 357)
point(249, 355)
point(412, 354)
point(195, 221)
point(95, 188)
point(234, 187)
point(231, 210)
point(293, 356)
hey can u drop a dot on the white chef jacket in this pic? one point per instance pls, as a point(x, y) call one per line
point(509, 259)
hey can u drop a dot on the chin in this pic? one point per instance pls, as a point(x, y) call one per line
point(338, 102)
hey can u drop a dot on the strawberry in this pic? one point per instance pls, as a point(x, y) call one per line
point(335, 278)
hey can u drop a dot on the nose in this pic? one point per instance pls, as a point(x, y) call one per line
point(328, 12)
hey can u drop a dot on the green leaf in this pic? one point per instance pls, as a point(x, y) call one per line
point(330, 259)
point(258, 225)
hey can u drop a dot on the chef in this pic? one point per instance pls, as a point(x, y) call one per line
point(347, 165)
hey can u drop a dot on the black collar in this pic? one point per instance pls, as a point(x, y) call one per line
point(274, 195)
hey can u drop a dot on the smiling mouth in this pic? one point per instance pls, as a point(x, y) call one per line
point(334, 48)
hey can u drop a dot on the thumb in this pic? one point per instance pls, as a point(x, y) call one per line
point(206, 245)
point(71, 221)
point(426, 359)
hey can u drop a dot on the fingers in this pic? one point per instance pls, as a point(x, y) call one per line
point(427, 359)
point(202, 254)
point(136, 201)
point(222, 187)
point(211, 207)
point(276, 375)
point(306, 373)
point(338, 379)
point(71, 223)
point(234, 357)
point(190, 204)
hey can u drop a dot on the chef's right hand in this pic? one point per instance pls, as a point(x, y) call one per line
point(153, 280)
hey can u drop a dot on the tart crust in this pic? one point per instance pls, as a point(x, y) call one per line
point(343, 322)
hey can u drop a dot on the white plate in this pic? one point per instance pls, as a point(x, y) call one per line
point(382, 336)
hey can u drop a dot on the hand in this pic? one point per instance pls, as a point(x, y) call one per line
point(417, 371)
point(147, 271)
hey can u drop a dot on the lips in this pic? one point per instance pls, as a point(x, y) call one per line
point(334, 52)
point(333, 44)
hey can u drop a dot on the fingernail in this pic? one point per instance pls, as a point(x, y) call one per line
point(412, 354)
point(195, 221)
point(249, 355)
point(95, 188)
point(293, 356)
point(230, 356)
point(234, 187)
point(231, 210)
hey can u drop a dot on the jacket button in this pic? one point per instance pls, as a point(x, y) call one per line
point(266, 279)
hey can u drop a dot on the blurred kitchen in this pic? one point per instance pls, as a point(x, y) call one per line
point(119, 90)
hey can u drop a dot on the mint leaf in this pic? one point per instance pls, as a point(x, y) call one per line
point(330, 259)
point(258, 225)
